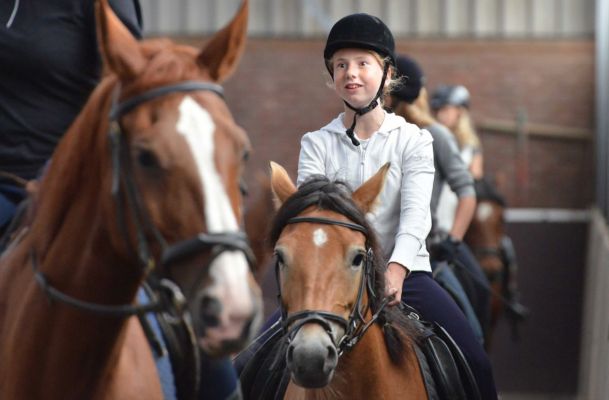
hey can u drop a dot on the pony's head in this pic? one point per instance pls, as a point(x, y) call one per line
point(485, 234)
point(331, 284)
point(176, 169)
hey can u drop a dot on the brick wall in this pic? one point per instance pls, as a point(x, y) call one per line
point(279, 92)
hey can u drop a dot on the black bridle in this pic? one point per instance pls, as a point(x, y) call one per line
point(356, 326)
point(166, 295)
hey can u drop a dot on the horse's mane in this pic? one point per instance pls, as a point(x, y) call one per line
point(486, 191)
point(325, 194)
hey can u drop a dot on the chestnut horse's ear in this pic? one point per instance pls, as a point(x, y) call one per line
point(367, 195)
point(120, 50)
point(281, 184)
point(223, 51)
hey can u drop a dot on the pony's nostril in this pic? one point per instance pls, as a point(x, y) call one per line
point(290, 355)
point(210, 311)
point(331, 359)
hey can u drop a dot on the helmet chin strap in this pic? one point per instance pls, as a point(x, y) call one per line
point(361, 111)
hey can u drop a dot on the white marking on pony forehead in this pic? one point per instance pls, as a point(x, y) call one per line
point(198, 128)
point(319, 237)
point(484, 211)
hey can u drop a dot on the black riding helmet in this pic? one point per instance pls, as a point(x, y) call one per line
point(413, 81)
point(361, 31)
point(454, 95)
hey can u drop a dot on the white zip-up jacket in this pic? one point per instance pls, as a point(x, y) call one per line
point(402, 218)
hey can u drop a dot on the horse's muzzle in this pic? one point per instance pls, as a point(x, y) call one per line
point(312, 357)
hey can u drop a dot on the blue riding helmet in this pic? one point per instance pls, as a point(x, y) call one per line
point(454, 95)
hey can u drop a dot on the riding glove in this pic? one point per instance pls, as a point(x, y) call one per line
point(445, 250)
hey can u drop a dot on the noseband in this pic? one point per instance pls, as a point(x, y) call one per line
point(356, 326)
point(167, 296)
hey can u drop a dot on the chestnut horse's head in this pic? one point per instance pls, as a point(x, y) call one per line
point(325, 270)
point(484, 236)
point(176, 168)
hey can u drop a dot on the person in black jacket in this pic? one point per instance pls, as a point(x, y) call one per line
point(49, 64)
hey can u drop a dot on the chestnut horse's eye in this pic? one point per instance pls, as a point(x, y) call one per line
point(279, 258)
point(147, 159)
point(357, 261)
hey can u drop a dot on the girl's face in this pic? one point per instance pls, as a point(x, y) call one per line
point(449, 116)
point(357, 76)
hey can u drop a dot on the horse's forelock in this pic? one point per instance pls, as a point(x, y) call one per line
point(325, 194)
point(167, 63)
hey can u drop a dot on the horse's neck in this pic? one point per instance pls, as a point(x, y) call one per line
point(366, 372)
point(51, 345)
point(57, 347)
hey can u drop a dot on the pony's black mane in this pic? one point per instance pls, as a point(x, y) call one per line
point(325, 194)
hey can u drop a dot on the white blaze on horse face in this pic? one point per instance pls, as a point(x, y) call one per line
point(229, 270)
point(484, 211)
point(319, 237)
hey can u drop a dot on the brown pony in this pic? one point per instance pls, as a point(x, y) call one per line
point(145, 184)
point(484, 239)
point(342, 341)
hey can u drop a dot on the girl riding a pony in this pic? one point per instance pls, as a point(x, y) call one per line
point(360, 58)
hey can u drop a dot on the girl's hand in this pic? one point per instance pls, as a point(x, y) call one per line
point(394, 279)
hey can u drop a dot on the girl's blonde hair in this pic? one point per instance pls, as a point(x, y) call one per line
point(418, 113)
point(465, 132)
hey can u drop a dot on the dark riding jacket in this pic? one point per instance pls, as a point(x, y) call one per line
point(49, 64)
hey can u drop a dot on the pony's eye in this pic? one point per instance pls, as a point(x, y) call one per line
point(147, 159)
point(357, 261)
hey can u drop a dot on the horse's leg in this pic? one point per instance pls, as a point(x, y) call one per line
point(135, 375)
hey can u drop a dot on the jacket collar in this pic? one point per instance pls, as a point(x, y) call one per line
point(391, 122)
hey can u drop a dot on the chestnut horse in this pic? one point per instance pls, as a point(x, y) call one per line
point(342, 343)
point(144, 185)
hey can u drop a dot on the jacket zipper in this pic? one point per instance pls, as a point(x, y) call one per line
point(362, 162)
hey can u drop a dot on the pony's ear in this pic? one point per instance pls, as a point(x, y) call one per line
point(281, 184)
point(119, 49)
point(223, 51)
point(367, 195)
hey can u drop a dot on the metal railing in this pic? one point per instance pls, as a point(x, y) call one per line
point(411, 18)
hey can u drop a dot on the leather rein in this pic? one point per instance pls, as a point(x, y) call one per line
point(356, 326)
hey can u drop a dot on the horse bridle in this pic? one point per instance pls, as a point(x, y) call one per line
point(356, 326)
point(168, 295)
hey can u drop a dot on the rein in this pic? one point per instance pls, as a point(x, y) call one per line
point(356, 326)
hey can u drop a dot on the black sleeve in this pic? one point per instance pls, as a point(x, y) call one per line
point(130, 13)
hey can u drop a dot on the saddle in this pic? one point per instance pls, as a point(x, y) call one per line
point(445, 369)
point(446, 373)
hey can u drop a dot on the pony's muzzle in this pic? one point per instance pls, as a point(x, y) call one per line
point(312, 358)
